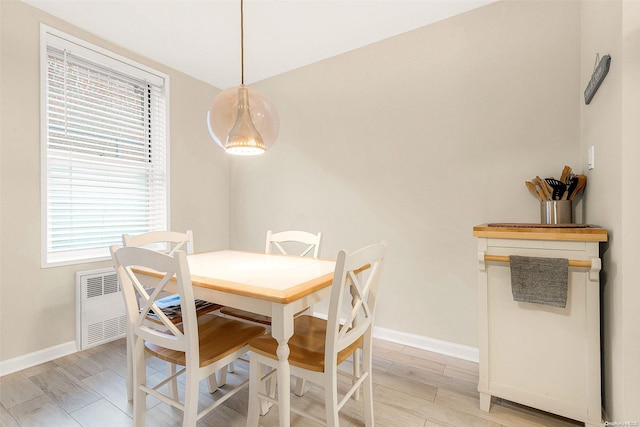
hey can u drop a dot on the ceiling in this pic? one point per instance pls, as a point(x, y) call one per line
point(201, 38)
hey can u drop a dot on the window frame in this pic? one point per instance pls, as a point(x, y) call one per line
point(104, 57)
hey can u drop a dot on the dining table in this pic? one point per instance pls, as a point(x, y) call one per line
point(278, 286)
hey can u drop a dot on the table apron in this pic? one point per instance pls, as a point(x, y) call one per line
point(247, 303)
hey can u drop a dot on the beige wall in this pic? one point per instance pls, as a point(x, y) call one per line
point(610, 123)
point(37, 306)
point(416, 139)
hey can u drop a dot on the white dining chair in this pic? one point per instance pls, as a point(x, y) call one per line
point(318, 346)
point(277, 242)
point(169, 304)
point(203, 345)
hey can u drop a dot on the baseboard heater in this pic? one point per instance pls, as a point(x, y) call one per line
point(100, 310)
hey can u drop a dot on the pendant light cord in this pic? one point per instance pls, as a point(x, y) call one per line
point(242, 39)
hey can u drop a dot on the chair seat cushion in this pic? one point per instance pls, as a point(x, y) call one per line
point(306, 345)
point(218, 338)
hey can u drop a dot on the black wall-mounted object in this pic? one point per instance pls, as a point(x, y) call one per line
point(597, 78)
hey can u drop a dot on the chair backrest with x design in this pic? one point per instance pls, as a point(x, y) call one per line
point(357, 274)
point(163, 241)
point(310, 241)
point(140, 304)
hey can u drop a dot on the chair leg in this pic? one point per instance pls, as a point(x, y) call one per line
point(367, 384)
point(212, 383)
point(190, 400)
point(138, 378)
point(173, 385)
point(367, 387)
point(264, 405)
point(357, 372)
point(253, 412)
point(129, 379)
point(222, 377)
point(331, 400)
point(230, 368)
point(300, 383)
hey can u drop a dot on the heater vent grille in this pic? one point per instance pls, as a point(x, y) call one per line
point(101, 315)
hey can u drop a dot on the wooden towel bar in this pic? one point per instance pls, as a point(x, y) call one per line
point(572, 262)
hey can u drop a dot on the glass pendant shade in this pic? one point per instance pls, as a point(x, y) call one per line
point(243, 121)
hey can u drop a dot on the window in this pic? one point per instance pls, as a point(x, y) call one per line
point(104, 149)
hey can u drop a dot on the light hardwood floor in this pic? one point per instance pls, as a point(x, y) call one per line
point(412, 388)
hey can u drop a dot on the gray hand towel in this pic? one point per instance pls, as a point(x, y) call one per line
point(539, 280)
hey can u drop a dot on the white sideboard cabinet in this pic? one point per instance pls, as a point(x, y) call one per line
point(537, 355)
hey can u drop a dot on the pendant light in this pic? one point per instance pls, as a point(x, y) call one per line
point(242, 120)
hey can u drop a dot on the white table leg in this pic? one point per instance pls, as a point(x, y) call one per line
point(282, 330)
point(284, 378)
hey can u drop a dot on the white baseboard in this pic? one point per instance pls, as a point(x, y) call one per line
point(19, 363)
point(425, 343)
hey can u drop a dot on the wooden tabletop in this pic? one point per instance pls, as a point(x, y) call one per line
point(269, 277)
point(527, 231)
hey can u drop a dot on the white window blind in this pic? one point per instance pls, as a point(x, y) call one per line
point(106, 169)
